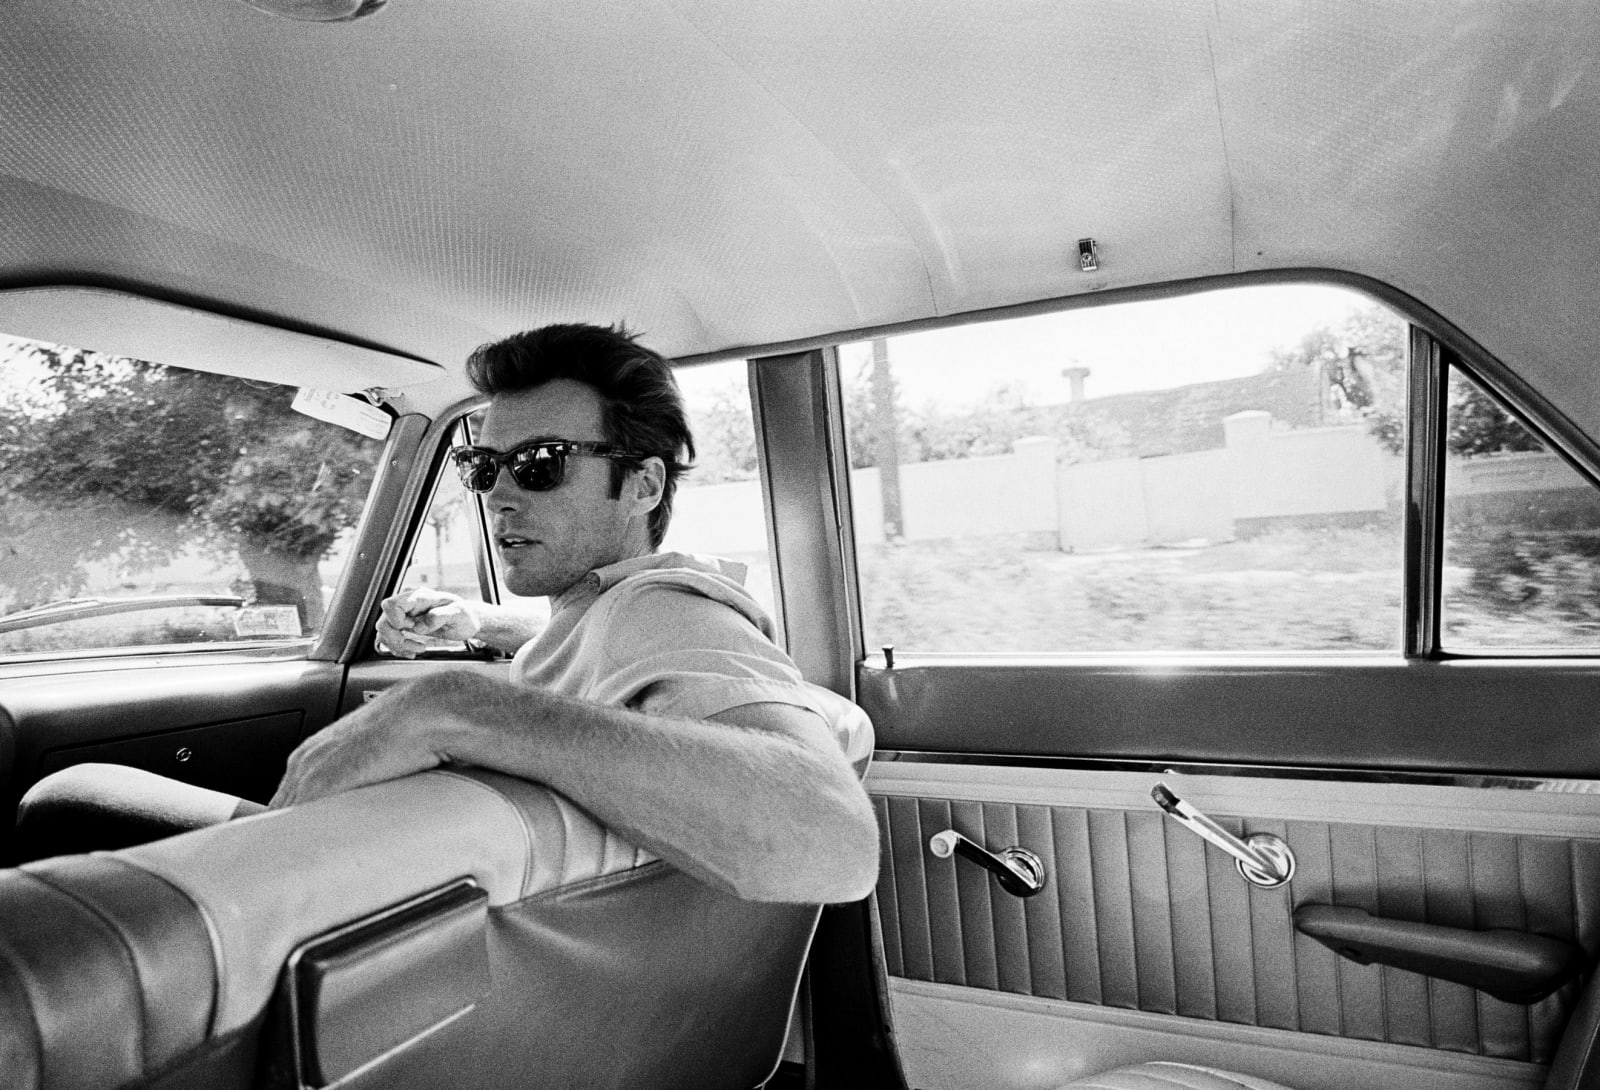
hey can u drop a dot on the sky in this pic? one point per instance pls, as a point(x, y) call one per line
point(1129, 346)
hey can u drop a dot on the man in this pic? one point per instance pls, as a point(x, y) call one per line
point(654, 698)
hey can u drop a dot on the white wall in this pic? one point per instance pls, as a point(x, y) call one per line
point(1312, 471)
point(1261, 473)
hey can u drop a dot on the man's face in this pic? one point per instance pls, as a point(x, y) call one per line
point(547, 541)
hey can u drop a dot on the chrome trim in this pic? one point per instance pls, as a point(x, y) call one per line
point(1424, 509)
point(1262, 859)
point(1283, 772)
point(290, 984)
point(1019, 871)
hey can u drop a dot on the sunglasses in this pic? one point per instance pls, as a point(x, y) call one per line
point(538, 466)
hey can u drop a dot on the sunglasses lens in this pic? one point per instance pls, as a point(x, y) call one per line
point(539, 469)
point(477, 471)
point(534, 468)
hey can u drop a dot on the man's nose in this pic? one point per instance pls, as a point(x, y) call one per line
point(505, 494)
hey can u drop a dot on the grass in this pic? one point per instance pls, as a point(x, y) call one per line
point(1331, 589)
point(1294, 590)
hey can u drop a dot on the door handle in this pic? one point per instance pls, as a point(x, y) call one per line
point(1515, 966)
point(1263, 859)
point(1019, 871)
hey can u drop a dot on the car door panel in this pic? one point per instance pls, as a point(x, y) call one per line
point(243, 757)
point(228, 725)
point(1140, 916)
point(1005, 1041)
point(1459, 716)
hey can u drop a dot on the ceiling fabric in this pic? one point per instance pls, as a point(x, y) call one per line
point(721, 173)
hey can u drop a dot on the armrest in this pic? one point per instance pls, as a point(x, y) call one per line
point(1515, 966)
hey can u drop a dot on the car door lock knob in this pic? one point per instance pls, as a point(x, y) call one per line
point(1263, 859)
point(1018, 870)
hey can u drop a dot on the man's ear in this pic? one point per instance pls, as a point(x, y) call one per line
point(645, 486)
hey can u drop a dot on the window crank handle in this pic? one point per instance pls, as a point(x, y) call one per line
point(1018, 870)
point(1263, 859)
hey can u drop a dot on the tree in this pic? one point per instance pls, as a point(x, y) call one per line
point(724, 437)
point(1477, 425)
point(1363, 362)
point(148, 461)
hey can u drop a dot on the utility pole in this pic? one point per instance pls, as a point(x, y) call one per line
point(886, 440)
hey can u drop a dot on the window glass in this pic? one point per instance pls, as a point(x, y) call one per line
point(718, 509)
point(1521, 538)
point(1220, 472)
point(143, 505)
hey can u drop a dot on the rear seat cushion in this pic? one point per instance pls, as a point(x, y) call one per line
point(1170, 1076)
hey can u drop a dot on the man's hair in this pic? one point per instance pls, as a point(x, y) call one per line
point(641, 408)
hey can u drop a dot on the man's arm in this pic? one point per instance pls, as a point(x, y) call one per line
point(758, 800)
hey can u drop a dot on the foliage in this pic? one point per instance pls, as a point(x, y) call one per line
point(1295, 589)
point(145, 461)
point(1364, 362)
point(1524, 588)
point(1289, 589)
point(1477, 425)
point(1004, 415)
point(724, 437)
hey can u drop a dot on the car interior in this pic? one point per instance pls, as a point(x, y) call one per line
point(1174, 426)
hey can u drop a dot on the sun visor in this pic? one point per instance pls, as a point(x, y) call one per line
point(122, 324)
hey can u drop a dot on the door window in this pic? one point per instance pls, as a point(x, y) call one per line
point(1220, 472)
point(719, 508)
point(151, 506)
point(1521, 534)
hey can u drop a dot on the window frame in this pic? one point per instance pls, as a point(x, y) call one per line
point(798, 390)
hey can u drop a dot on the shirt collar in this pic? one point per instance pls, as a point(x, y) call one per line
point(602, 579)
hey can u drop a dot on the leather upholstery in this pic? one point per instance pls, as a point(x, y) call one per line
point(142, 967)
point(1138, 914)
point(106, 974)
point(1170, 1076)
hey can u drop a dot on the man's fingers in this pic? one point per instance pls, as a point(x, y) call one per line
point(431, 621)
point(393, 640)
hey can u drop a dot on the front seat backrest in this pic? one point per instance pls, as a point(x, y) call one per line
point(164, 965)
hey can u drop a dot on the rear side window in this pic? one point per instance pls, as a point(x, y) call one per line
point(145, 506)
point(1220, 472)
point(1521, 534)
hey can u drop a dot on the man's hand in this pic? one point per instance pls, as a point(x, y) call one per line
point(410, 728)
point(419, 618)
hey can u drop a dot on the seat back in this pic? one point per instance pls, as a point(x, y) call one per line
point(336, 940)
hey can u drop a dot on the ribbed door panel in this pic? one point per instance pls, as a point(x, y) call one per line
point(1141, 914)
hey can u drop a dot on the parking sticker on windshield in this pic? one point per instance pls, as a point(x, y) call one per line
point(343, 410)
point(256, 621)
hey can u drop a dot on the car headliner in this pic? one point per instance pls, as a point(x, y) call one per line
point(725, 174)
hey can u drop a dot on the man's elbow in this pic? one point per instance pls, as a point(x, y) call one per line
point(858, 871)
point(836, 868)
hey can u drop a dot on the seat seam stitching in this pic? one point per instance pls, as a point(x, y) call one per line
point(127, 950)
